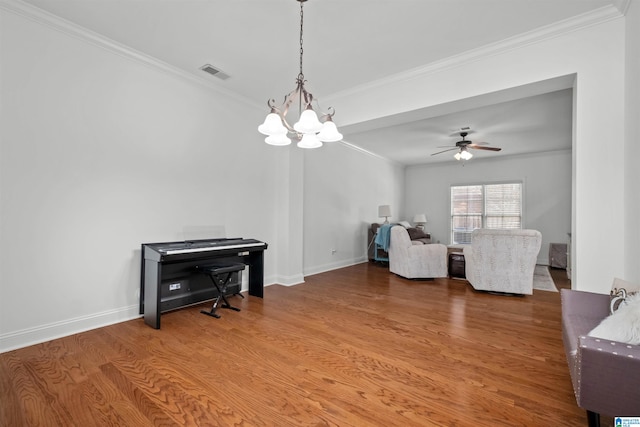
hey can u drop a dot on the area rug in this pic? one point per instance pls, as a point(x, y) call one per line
point(542, 280)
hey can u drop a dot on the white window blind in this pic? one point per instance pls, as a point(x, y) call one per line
point(503, 206)
point(497, 206)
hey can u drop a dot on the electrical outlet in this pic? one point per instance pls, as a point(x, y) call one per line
point(333, 251)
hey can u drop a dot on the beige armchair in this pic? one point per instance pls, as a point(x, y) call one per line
point(502, 260)
point(414, 260)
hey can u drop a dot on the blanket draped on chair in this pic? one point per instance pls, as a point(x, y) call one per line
point(382, 238)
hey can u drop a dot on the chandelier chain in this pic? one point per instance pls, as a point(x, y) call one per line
point(301, 75)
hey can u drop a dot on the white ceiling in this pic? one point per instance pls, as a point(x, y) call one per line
point(520, 120)
point(348, 43)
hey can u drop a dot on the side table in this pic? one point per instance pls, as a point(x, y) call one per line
point(456, 265)
point(455, 248)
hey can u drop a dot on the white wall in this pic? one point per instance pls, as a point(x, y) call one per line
point(290, 215)
point(632, 147)
point(100, 153)
point(546, 179)
point(343, 188)
point(596, 54)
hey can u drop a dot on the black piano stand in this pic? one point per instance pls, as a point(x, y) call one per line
point(220, 276)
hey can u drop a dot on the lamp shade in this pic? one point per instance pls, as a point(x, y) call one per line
point(309, 140)
point(272, 125)
point(308, 122)
point(384, 210)
point(420, 219)
point(466, 155)
point(280, 139)
point(329, 132)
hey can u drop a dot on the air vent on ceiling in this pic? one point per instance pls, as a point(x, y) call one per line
point(207, 68)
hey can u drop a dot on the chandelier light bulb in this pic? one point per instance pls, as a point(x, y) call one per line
point(308, 122)
point(280, 139)
point(272, 125)
point(309, 140)
point(329, 132)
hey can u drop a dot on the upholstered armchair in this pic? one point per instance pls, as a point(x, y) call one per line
point(376, 253)
point(502, 260)
point(414, 260)
point(605, 374)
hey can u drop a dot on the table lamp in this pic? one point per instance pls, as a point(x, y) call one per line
point(384, 211)
point(420, 220)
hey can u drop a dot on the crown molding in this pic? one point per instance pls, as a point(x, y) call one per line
point(622, 5)
point(560, 28)
point(606, 13)
point(364, 151)
point(57, 23)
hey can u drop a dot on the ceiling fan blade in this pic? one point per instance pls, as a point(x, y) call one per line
point(480, 147)
point(444, 151)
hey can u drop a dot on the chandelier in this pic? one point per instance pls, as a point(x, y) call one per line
point(309, 131)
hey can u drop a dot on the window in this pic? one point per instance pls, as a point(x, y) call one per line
point(497, 206)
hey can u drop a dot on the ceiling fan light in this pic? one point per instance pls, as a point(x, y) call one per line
point(465, 155)
point(308, 122)
point(272, 125)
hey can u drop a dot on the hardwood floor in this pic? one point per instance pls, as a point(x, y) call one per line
point(352, 347)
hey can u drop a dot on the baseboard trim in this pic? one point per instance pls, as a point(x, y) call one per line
point(334, 266)
point(64, 328)
point(51, 331)
point(296, 279)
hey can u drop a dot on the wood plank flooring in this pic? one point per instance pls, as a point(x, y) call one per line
point(356, 346)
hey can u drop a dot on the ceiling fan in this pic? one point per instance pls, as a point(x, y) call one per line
point(463, 145)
